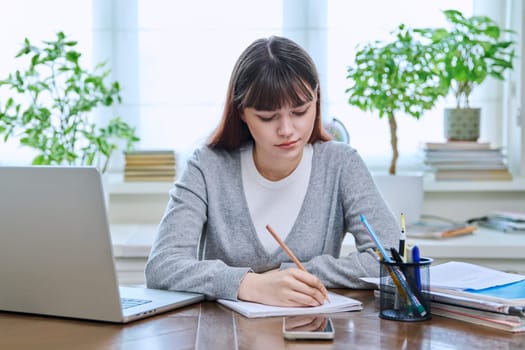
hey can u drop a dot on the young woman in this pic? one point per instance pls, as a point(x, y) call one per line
point(270, 162)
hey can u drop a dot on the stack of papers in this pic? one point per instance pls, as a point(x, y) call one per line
point(478, 295)
point(496, 320)
point(460, 275)
point(337, 303)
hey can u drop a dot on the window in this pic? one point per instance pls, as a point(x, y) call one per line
point(374, 20)
point(38, 21)
point(174, 58)
point(187, 50)
point(186, 53)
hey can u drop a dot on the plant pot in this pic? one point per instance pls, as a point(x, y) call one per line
point(403, 194)
point(462, 124)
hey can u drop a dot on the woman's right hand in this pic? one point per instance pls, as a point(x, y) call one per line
point(290, 287)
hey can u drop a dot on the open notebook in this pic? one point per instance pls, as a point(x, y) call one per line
point(337, 303)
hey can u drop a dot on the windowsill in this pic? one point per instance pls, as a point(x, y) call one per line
point(116, 185)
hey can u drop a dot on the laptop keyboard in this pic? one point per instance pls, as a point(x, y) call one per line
point(130, 302)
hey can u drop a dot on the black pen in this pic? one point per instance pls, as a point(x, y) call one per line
point(396, 256)
point(402, 238)
point(517, 311)
point(413, 284)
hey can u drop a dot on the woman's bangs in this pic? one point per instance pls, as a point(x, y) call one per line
point(272, 92)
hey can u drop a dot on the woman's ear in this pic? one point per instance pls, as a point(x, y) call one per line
point(243, 118)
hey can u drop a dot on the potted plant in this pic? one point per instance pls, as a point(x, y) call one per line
point(395, 77)
point(466, 54)
point(50, 104)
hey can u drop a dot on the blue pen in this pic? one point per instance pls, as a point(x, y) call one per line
point(416, 258)
point(378, 244)
point(398, 274)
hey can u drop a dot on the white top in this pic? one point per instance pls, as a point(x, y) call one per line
point(274, 203)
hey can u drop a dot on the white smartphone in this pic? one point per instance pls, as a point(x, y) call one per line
point(308, 327)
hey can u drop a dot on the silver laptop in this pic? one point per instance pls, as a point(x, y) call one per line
point(55, 250)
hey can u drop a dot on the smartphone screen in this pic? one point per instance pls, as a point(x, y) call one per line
point(308, 327)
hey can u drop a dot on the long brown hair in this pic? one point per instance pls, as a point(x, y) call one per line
point(269, 74)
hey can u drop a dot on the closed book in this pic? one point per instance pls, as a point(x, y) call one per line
point(473, 175)
point(149, 153)
point(473, 301)
point(460, 166)
point(149, 157)
point(148, 178)
point(504, 322)
point(150, 162)
point(151, 168)
point(476, 154)
point(456, 145)
point(148, 172)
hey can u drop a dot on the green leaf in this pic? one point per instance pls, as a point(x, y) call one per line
point(60, 128)
point(39, 160)
point(72, 56)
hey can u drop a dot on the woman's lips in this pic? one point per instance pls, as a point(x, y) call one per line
point(289, 144)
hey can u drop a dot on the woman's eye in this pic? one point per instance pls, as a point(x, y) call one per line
point(266, 119)
point(300, 113)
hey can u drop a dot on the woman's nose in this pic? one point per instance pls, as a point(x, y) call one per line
point(285, 126)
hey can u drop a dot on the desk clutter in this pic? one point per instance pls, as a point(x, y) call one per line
point(403, 279)
point(488, 297)
point(149, 165)
point(435, 227)
point(502, 221)
point(465, 161)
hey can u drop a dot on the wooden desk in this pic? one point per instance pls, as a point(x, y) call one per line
point(209, 326)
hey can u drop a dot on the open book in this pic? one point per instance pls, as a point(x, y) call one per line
point(337, 303)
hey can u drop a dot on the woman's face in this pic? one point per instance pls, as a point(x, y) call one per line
point(280, 135)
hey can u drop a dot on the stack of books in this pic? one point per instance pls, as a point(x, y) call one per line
point(149, 165)
point(466, 160)
point(489, 297)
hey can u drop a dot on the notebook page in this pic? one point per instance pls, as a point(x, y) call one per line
point(337, 303)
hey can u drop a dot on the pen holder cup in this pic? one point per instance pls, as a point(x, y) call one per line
point(403, 290)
